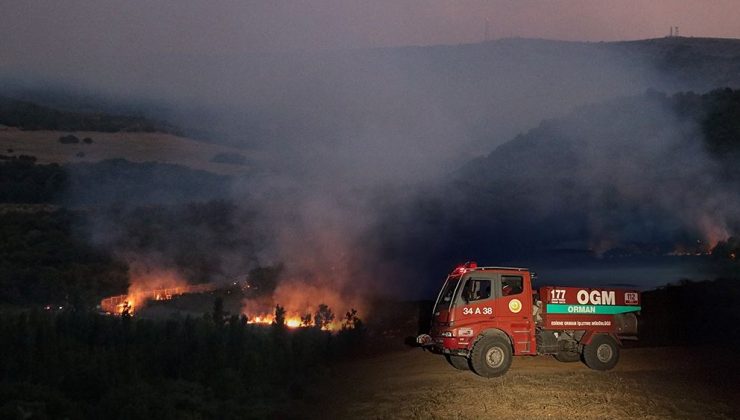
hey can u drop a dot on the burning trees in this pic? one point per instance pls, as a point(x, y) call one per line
point(323, 317)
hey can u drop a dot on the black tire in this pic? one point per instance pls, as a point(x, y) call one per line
point(567, 357)
point(602, 353)
point(458, 362)
point(491, 356)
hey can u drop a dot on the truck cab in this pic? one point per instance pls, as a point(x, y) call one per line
point(485, 315)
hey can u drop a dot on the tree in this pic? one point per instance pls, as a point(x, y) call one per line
point(69, 139)
point(218, 311)
point(352, 321)
point(306, 320)
point(323, 317)
point(279, 319)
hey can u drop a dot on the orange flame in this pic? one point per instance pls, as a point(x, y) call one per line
point(157, 285)
point(300, 298)
point(293, 321)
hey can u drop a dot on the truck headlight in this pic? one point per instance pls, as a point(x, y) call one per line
point(446, 334)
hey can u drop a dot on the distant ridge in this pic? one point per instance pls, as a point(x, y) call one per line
point(31, 116)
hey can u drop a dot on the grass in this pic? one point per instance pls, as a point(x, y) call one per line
point(649, 383)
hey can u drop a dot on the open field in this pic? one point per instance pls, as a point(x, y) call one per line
point(135, 147)
point(669, 382)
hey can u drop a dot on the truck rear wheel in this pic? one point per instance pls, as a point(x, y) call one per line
point(458, 362)
point(602, 353)
point(491, 356)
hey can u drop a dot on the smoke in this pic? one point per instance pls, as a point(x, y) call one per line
point(640, 153)
point(345, 139)
point(632, 172)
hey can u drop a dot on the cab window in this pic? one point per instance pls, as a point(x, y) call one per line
point(449, 289)
point(511, 285)
point(476, 289)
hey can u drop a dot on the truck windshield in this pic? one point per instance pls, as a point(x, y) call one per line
point(447, 293)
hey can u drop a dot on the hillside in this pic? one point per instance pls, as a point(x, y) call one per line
point(646, 175)
point(695, 63)
point(133, 146)
point(32, 116)
point(652, 169)
point(455, 101)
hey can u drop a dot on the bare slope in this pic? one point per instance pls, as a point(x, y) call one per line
point(132, 146)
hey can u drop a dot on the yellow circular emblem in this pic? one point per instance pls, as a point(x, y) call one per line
point(515, 305)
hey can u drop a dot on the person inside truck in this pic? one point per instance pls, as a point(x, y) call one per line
point(511, 285)
point(477, 290)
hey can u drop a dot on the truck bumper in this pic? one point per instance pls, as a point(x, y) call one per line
point(446, 345)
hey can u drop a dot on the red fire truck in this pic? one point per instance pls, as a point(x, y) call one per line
point(485, 315)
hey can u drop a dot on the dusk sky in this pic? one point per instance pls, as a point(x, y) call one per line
point(82, 27)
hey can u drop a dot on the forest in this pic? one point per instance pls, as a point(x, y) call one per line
point(31, 116)
point(77, 364)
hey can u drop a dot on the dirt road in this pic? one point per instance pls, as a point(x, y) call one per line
point(647, 383)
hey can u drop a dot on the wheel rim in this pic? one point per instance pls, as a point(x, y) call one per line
point(604, 353)
point(494, 357)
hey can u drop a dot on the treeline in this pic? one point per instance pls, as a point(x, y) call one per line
point(46, 256)
point(112, 181)
point(82, 365)
point(44, 261)
point(23, 181)
point(168, 211)
point(118, 181)
point(718, 115)
point(30, 116)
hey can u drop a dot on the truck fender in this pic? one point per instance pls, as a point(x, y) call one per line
point(589, 335)
point(492, 332)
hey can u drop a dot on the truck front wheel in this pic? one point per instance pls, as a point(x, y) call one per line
point(491, 356)
point(602, 353)
point(458, 362)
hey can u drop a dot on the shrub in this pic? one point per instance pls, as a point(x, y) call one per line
point(69, 139)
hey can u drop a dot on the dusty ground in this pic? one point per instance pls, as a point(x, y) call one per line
point(647, 383)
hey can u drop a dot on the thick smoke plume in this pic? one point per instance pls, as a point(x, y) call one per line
point(630, 176)
point(345, 140)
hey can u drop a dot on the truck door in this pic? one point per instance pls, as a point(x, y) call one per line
point(513, 309)
point(475, 302)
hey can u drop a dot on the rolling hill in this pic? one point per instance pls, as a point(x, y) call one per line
point(133, 146)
